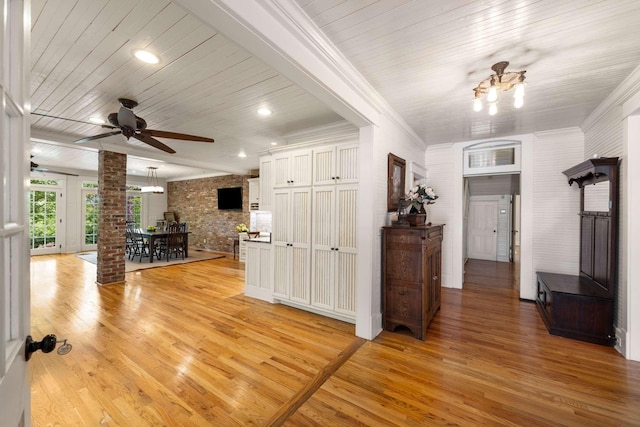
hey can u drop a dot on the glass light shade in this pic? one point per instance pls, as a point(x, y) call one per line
point(492, 94)
point(518, 101)
point(493, 109)
point(519, 93)
point(152, 189)
point(477, 104)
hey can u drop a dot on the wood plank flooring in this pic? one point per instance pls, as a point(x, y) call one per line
point(182, 346)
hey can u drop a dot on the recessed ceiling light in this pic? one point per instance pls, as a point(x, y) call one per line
point(96, 120)
point(242, 154)
point(264, 112)
point(274, 143)
point(146, 56)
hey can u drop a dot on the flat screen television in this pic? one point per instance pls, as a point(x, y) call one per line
point(230, 198)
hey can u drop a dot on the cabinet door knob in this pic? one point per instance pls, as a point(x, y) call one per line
point(435, 277)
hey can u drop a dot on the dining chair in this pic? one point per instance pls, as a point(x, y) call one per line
point(175, 244)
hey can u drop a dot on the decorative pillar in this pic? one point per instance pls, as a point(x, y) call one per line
point(112, 200)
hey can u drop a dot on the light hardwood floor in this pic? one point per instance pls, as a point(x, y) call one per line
point(182, 346)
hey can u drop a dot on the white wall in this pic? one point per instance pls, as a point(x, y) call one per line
point(556, 225)
point(612, 130)
point(545, 217)
point(376, 142)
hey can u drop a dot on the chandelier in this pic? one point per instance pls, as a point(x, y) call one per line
point(497, 83)
point(153, 185)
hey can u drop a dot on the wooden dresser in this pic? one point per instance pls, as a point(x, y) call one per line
point(411, 274)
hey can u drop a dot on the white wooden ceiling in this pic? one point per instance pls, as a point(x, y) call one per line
point(424, 57)
point(82, 61)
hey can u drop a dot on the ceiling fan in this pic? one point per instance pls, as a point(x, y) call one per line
point(131, 125)
point(36, 168)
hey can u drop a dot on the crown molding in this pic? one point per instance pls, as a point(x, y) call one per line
point(627, 89)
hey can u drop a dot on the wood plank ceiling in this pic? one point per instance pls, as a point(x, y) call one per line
point(82, 61)
point(423, 57)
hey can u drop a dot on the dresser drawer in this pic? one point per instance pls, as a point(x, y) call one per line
point(403, 303)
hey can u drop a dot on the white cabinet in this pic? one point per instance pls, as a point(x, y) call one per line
point(335, 164)
point(266, 183)
point(312, 194)
point(254, 193)
point(291, 241)
point(292, 169)
point(334, 249)
point(258, 272)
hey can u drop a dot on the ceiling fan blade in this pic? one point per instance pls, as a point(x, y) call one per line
point(102, 135)
point(154, 143)
point(72, 120)
point(45, 170)
point(174, 135)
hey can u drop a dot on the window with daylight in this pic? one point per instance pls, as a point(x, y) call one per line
point(134, 209)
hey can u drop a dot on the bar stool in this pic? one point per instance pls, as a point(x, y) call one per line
point(236, 247)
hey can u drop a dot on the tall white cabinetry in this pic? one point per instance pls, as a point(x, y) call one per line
point(314, 210)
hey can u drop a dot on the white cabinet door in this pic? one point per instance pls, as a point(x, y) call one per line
point(322, 262)
point(346, 248)
point(335, 164)
point(258, 278)
point(291, 237)
point(292, 169)
point(334, 248)
point(266, 183)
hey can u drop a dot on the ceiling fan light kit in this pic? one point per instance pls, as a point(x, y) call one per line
point(131, 125)
point(497, 83)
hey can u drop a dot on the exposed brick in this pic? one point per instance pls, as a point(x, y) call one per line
point(196, 203)
point(112, 199)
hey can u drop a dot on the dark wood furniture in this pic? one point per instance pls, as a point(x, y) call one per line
point(582, 306)
point(411, 264)
point(152, 236)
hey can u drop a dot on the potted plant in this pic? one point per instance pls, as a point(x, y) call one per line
point(417, 197)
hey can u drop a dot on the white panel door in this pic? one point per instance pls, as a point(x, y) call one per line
point(14, 217)
point(89, 220)
point(45, 204)
point(300, 244)
point(482, 237)
point(346, 239)
point(323, 272)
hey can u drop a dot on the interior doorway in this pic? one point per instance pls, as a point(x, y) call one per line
point(491, 230)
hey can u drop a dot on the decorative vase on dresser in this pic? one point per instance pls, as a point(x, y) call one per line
point(411, 274)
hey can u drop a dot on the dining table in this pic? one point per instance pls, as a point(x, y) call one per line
point(151, 237)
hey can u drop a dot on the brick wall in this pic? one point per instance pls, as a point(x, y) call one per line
point(196, 203)
point(112, 195)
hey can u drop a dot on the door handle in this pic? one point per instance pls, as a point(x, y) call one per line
point(47, 345)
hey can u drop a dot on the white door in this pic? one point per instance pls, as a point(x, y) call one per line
point(45, 204)
point(14, 218)
point(90, 220)
point(482, 230)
